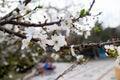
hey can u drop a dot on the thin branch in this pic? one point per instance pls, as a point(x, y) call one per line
point(28, 24)
point(26, 2)
point(91, 6)
point(15, 33)
point(87, 45)
point(67, 70)
point(31, 11)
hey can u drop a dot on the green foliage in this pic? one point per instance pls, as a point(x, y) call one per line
point(97, 29)
point(112, 53)
point(39, 6)
point(82, 13)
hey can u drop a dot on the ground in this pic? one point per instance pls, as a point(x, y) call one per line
point(92, 70)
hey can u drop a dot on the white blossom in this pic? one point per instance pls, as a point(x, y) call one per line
point(81, 29)
point(23, 9)
point(52, 28)
point(79, 57)
point(86, 34)
point(58, 41)
point(43, 41)
point(79, 32)
point(30, 32)
point(15, 13)
point(72, 51)
point(25, 43)
point(106, 46)
point(65, 27)
point(55, 56)
point(33, 32)
point(42, 45)
point(67, 17)
point(112, 47)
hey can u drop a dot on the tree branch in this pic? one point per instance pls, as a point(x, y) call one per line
point(91, 6)
point(28, 24)
point(67, 70)
point(15, 33)
point(87, 45)
point(26, 2)
point(16, 9)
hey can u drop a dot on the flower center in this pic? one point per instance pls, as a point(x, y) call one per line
point(56, 42)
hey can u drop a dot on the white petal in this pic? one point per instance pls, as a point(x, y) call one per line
point(72, 51)
point(42, 45)
point(25, 43)
point(112, 47)
point(57, 48)
point(106, 46)
point(79, 57)
point(50, 42)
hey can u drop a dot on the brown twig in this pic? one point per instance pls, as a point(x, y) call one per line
point(87, 45)
point(91, 6)
point(15, 33)
point(67, 70)
point(29, 24)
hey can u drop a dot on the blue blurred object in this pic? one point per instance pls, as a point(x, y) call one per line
point(101, 53)
point(46, 66)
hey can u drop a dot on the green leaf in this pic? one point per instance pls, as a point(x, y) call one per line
point(82, 13)
point(39, 6)
point(96, 29)
point(113, 55)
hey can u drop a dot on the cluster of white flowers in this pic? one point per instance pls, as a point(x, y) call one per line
point(56, 41)
point(55, 56)
point(113, 48)
point(23, 9)
point(69, 22)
